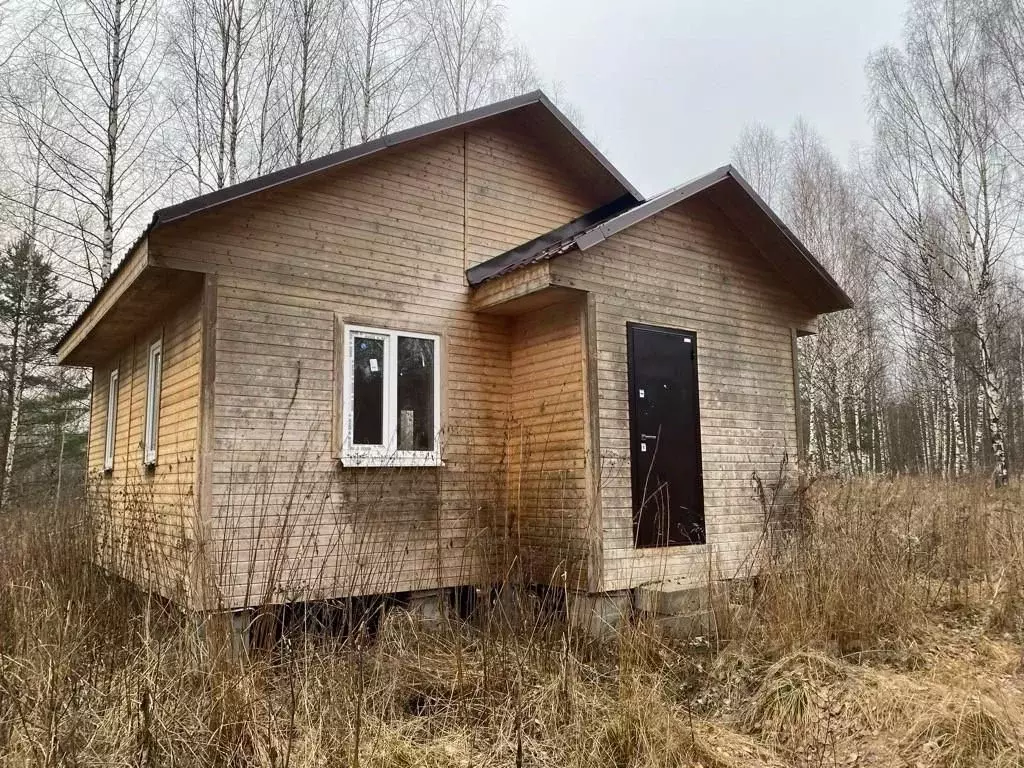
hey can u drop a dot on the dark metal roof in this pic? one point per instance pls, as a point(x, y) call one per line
point(748, 211)
point(549, 244)
point(335, 159)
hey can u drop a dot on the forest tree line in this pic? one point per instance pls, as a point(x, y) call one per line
point(923, 230)
point(112, 108)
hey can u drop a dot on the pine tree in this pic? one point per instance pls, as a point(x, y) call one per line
point(33, 310)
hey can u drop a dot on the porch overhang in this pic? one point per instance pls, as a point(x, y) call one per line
point(522, 290)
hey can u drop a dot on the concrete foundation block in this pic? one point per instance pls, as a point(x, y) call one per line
point(685, 608)
point(231, 634)
point(430, 606)
point(508, 606)
point(598, 614)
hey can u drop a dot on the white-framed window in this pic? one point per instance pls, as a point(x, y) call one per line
point(391, 392)
point(152, 402)
point(111, 433)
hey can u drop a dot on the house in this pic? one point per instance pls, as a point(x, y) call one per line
point(467, 344)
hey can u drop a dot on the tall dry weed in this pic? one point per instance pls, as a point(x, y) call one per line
point(845, 618)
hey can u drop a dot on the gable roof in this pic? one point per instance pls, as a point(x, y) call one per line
point(535, 106)
point(535, 99)
point(724, 187)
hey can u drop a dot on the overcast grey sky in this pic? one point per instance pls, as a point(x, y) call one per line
point(665, 86)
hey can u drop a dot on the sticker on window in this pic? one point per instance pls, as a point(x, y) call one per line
point(374, 367)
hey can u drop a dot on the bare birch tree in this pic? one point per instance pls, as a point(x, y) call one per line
point(761, 157)
point(841, 365)
point(214, 82)
point(101, 68)
point(314, 39)
point(465, 53)
point(383, 65)
point(938, 97)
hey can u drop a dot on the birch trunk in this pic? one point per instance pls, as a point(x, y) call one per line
point(952, 404)
point(15, 389)
point(113, 119)
point(979, 425)
point(1001, 472)
point(224, 31)
point(813, 448)
point(858, 454)
point(236, 69)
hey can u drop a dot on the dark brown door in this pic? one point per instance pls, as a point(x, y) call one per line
point(668, 494)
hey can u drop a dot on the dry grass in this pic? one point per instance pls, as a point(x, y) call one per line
point(884, 629)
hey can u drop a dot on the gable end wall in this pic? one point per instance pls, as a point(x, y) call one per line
point(687, 268)
point(383, 243)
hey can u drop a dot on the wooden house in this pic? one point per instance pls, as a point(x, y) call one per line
point(462, 346)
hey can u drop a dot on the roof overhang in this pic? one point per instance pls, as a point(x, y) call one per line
point(728, 191)
point(131, 299)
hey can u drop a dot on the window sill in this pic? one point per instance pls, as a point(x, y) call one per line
point(391, 460)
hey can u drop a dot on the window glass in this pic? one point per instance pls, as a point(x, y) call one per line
point(153, 402)
point(415, 394)
point(108, 450)
point(367, 390)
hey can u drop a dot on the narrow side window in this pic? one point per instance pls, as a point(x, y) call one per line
point(152, 402)
point(108, 443)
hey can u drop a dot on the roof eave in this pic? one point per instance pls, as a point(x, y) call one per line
point(58, 349)
point(293, 173)
point(268, 181)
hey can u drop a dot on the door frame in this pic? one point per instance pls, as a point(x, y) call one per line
point(634, 447)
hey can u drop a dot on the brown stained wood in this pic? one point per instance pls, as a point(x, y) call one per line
point(202, 575)
point(384, 244)
point(548, 481)
point(151, 292)
point(136, 262)
point(494, 294)
point(592, 441)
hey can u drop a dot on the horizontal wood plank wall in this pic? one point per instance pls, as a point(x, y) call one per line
point(380, 243)
point(147, 515)
point(515, 191)
point(687, 268)
point(547, 482)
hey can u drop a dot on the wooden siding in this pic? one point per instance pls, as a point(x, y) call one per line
point(688, 268)
point(382, 243)
point(547, 472)
point(515, 191)
point(147, 516)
